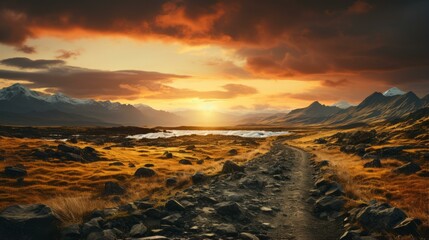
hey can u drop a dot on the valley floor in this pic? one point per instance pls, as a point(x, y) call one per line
point(275, 192)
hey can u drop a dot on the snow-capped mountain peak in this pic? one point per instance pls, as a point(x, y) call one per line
point(393, 92)
point(62, 98)
point(342, 104)
point(16, 90)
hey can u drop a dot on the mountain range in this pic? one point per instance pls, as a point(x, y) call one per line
point(392, 104)
point(21, 106)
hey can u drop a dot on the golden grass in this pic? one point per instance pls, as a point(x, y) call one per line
point(74, 189)
point(408, 192)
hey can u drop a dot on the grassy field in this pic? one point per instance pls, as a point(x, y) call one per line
point(74, 188)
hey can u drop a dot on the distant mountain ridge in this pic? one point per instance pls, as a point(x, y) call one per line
point(20, 105)
point(392, 104)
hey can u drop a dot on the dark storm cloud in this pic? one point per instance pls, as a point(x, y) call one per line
point(279, 39)
point(21, 62)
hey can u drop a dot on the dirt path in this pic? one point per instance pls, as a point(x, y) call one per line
point(295, 220)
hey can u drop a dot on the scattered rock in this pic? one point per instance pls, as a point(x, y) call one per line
point(201, 161)
point(407, 169)
point(144, 172)
point(34, 221)
point(376, 163)
point(328, 204)
point(198, 177)
point(408, 227)
point(225, 229)
point(138, 230)
point(131, 165)
point(380, 216)
point(15, 171)
point(185, 162)
point(173, 205)
point(231, 167)
point(170, 182)
point(320, 141)
point(71, 232)
point(173, 219)
point(168, 154)
point(190, 147)
point(248, 236)
point(232, 152)
point(113, 188)
point(423, 173)
point(252, 182)
point(68, 149)
point(231, 209)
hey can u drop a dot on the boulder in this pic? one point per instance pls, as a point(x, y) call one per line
point(68, 149)
point(173, 205)
point(15, 171)
point(231, 209)
point(252, 182)
point(170, 182)
point(113, 188)
point(201, 161)
point(91, 226)
point(144, 172)
point(232, 152)
point(185, 162)
point(138, 230)
point(33, 221)
point(71, 232)
point(173, 219)
point(329, 204)
point(407, 169)
point(225, 229)
point(380, 216)
point(375, 163)
point(198, 177)
point(408, 227)
point(231, 167)
point(168, 154)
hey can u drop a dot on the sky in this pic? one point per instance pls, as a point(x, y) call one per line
point(236, 55)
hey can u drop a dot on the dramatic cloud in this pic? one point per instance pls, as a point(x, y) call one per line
point(276, 39)
point(64, 54)
point(128, 84)
point(21, 62)
point(25, 49)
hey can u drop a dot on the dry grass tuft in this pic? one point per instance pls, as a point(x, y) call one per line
point(72, 209)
